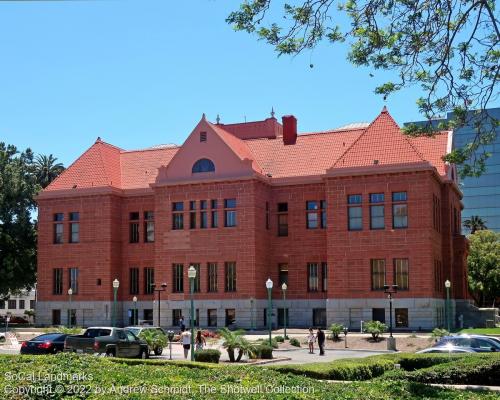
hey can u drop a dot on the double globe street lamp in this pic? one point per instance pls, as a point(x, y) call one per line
point(158, 290)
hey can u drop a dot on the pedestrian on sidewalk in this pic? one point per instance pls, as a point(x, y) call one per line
point(321, 341)
point(310, 340)
point(182, 324)
point(200, 341)
point(186, 342)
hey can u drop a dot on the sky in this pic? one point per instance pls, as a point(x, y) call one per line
point(141, 72)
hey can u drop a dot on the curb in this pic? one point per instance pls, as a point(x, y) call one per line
point(272, 361)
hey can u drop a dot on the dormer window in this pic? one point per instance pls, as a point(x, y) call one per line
point(203, 136)
point(203, 165)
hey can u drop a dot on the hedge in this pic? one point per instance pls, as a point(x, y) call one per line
point(100, 375)
point(342, 370)
point(207, 355)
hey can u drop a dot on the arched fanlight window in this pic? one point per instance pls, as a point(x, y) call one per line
point(203, 165)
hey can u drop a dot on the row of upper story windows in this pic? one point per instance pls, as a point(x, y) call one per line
point(203, 214)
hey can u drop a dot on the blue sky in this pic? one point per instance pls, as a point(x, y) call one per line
point(139, 73)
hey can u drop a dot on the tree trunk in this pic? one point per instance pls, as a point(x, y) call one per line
point(230, 353)
point(240, 354)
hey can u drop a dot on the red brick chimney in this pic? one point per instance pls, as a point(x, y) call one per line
point(289, 129)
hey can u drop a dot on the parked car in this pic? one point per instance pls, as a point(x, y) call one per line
point(477, 343)
point(2, 337)
point(112, 342)
point(447, 349)
point(48, 343)
point(137, 330)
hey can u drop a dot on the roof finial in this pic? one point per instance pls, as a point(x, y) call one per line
point(217, 119)
point(203, 117)
point(272, 112)
point(98, 140)
point(384, 110)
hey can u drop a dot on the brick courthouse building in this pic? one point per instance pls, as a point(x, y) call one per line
point(333, 214)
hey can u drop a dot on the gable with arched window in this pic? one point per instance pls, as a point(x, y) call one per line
point(203, 165)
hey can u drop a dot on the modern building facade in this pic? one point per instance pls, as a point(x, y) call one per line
point(16, 304)
point(335, 215)
point(481, 195)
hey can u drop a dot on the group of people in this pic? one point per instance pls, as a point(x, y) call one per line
point(311, 339)
point(199, 342)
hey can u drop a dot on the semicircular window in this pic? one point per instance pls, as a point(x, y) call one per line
point(203, 165)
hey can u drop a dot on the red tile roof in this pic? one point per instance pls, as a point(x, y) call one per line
point(312, 154)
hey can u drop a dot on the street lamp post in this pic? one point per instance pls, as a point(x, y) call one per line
point(269, 286)
point(192, 276)
point(346, 331)
point(70, 294)
point(7, 320)
point(162, 288)
point(447, 284)
point(389, 291)
point(284, 287)
point(116, 285)
point(136, 314)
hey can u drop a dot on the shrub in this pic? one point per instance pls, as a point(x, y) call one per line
point(375, 328)
point(412, 362)
point(154, 338)
point(208, 355)
point(336, 331)
point(438, 333)
point(234, 341)
point(295, 342)
point(279, 339)
point(354, 369)
point(64, 329)
point(265, 351)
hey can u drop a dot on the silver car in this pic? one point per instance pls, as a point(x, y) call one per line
point(447, 349)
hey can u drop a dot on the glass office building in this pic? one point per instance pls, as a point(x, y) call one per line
point(481, 194)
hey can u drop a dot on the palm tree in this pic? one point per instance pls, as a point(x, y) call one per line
point(234, 340)
point(46, 169)
point(475, 223)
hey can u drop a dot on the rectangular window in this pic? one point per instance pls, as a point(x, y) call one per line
point(212, 277)
point(178, 215)
point(401, 316)
point(312, 277)
point(378, 314)
point(212, 317)
point(283, 274)
point(192, 215)
point(355, 213)
point(178, 278)
point(134, 227)
point(230, 272)
point(149, 279)
point(2, 304)
point(282, 219)
point(134, 280)
point(149, 226)
point(73, 279)
point(58, 233)
point(323, 213)
point(399, 210)
point(324, 277)
point(230, 316)
point(32, 304)
point(229, 212)
point(148, 315)
point(312, 220)
point(58, 217)
point(176, 316)
point(378, 274)
point(197, 279)
point(203, 214)
point(401, 273)
point(282, 312)
point(56, 317)
point(74, 235)
point(57, 281)
point(377, 211)
point(22, 304)
point(12, 304)
point(215, 216)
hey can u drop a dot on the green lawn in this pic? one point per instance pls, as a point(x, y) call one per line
point(68, 376)
point(482, 331)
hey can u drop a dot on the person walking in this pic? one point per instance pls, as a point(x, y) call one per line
point(186, 342)
point(200, 341)
point(182, 324)
point(310, 340)
point(321, 341)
